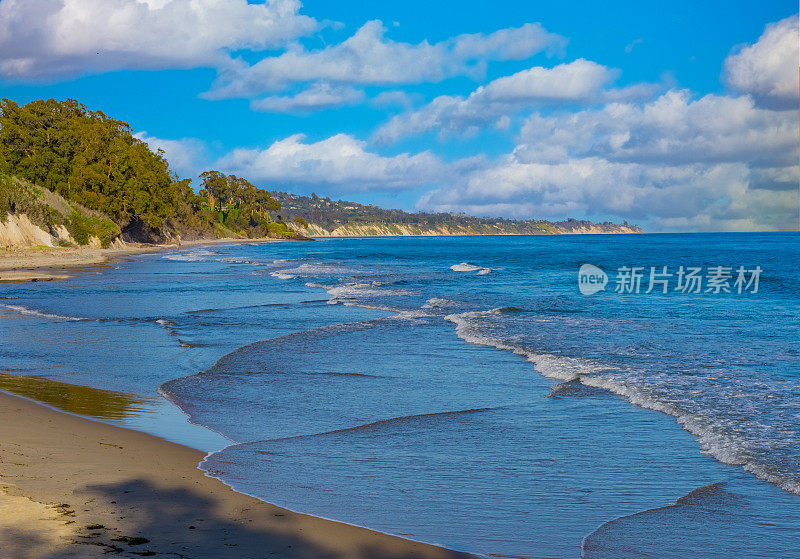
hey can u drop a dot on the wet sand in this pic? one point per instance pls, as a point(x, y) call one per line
point(48, 264)
point(56, 263)
point(73, 487)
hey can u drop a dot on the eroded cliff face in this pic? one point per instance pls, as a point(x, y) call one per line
point(397, 229)
point(19, 232)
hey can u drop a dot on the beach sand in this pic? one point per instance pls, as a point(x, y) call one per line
point(56, 263)
point(73, 487)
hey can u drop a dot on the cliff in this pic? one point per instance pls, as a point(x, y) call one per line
point(323, 217)
point(32, 216)
point(400, 229)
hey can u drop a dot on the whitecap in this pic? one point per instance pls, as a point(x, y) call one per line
point(33, 312)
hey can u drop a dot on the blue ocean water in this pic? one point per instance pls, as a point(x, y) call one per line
point(461, 390)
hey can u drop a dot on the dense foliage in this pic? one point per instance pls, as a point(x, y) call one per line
point(96, 161)
point(89, 158)
point(239, 205)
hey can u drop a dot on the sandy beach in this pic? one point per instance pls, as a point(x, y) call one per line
point(56, 263)
point(72, 487)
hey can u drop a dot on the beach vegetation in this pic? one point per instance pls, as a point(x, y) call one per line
point(51, 212)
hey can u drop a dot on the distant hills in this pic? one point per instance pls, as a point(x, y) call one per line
point(339, 218)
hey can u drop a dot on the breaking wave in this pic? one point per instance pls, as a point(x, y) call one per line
point(719, 437)
point(20, 309)
point(467, 267)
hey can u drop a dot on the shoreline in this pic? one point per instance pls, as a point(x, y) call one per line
point(73, 487)
point(56, 263)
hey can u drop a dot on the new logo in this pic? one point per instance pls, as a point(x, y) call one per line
point(591, 279)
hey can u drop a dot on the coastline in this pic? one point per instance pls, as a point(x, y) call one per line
point(73, 487)
point(56, 263)
point(37, 264)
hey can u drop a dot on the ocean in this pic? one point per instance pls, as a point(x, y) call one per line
point(457, 390)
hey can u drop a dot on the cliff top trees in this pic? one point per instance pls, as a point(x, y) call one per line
point(88, 157)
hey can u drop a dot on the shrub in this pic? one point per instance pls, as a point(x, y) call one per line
point(82, 227)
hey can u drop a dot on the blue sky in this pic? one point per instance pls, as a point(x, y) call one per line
point(677, 116)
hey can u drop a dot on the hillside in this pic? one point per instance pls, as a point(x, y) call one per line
point(329, 218)
point(31, 216)
point(85, 159)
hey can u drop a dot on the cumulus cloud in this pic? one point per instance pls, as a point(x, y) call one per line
point(369, 58)
point(768, 69)
point(340, 161)
point(396, 97)
point(673, 129)
point(44, 39)
point(676, 162)
point(661, 197)
point(578, 82)
point(318, 96)
point(186, 156)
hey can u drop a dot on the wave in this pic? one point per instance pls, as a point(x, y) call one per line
point(574, 388)
point(197, 255)
point(315, 270)
point(712, 434)
point(380, 423)
point(438, 303)
point(240, 260)
point(467, 267)
point(356, 289)
point(353, 294)
point(662, 531)
point(41, 314)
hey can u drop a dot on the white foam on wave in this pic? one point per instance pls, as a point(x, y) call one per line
point(438, 303)
point(33, 312)
point(467, 267)
point(282, 275)
point(314, 269)
point(712, 435)
point(197, 255)
point(557, 367)
point(239, 260)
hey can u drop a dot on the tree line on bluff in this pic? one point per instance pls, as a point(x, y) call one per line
point(95, 161)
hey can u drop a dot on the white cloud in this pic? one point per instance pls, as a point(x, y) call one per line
point(369, 58)
point(515, 43)
point(660, 197)
point(673, 129)
point(396, 97)
point(581, 81)
point(318, 96)
point(768, 70)
point(56, 38)
point(340, 160)
point(716, 163)
point(673, 163)
point(577, 81)
point(630, 46)
point(186, 156)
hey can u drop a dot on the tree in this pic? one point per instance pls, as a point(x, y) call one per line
point(87, 157)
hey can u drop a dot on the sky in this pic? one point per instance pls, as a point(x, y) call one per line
point(676, 116)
